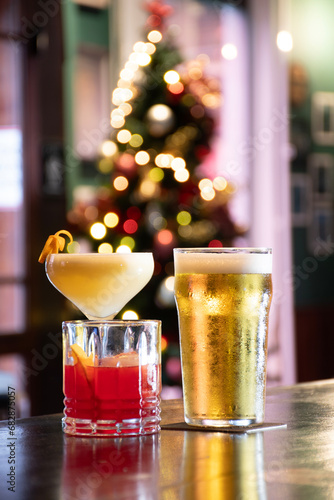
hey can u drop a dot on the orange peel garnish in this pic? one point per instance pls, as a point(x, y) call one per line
point(54, 243)
point(81, 357)
point(84, 361)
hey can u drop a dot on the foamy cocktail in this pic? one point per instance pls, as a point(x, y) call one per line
point(223, 298)
point(100, 285)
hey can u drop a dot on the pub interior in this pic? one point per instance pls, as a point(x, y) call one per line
point(144, 127)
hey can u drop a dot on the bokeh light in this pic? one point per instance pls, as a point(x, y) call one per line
point(183, 218)
point(156, 174)
point(126, 161)
point(160, 112)
point(105, 165)
point(154, 36)
point(109, 148)
point(130, 315)
point(211, 100)
point(169, 283)
point(111, 219)
point(142, 158)
point(215, 243)
point(171, 76)
point(130, 226)
point(124, 136)
point(219, 183)
point(117, 121)
point(185, 231)
point(131, 66)
point(176, 88)
point(164, 343)
point(229, 51)
point(284, 41)
point(182, 175)
point(205, 183)
point(165, 237)
point(136, 140)
point(125, 108)
point(139, 47)
point(91, 212)
point(73, 247)
point(105, 248)
point(120, 95)
point(123, 249)
point(150, 48)
point(148, 188)
point(178, 163)
point(127, 74)
point(157, 221)
point(128, 241)
point(143, 59)
point(208, 194)
point(164, 160)
point(120, 183)
point(195, 72)
point(98, 230)
point(197, 111)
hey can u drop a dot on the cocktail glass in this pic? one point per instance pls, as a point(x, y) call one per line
point(100, 285)
point(111, 377)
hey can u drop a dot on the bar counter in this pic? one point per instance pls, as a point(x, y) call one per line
point(292, 462)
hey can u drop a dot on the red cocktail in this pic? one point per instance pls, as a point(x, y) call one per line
point(116, 399)
point(117, 394)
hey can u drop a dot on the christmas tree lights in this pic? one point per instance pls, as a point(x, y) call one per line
point(154, 196)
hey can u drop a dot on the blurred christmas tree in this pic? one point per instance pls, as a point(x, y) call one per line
point(155, 197)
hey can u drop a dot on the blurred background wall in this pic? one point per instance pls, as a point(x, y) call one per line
point(262, 108)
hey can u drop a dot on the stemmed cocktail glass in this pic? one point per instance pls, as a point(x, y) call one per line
point(99, 284)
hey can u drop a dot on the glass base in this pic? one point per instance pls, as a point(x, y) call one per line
point(111, 428)
point(207, 422)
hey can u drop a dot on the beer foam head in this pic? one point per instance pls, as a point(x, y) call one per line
point(206, 261)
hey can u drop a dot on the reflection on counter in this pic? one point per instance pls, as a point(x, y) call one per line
point(117, 467)
point(219, 466)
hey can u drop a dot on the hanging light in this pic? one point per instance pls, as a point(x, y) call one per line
point(284, 41)
point(229, 51)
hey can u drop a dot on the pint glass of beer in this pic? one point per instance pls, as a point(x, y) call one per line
point(223, 298)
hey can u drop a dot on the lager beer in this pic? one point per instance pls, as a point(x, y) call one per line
point(223, 298)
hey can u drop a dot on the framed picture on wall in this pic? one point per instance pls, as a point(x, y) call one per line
point(322, 118)
point(321, 168)
point(321, 229)
point(301, 202)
